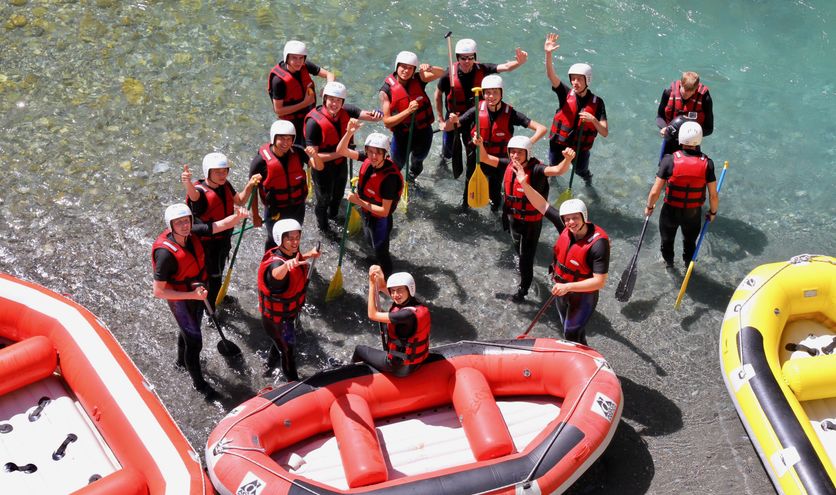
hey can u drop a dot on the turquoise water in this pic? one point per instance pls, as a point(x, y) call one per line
point(103, 101)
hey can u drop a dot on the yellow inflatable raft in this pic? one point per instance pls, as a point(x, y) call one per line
point(778, 355)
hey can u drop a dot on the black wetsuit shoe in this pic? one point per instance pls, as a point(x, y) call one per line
point(208, 392)
point(519, 296)
point(668, 265)
point(442, 163)
point(587, 180)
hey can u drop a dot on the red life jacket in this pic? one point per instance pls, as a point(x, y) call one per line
point(287, 304)
point(516, 203)
point(458, 97)
point(495, 134)
point(190, 265)
point(294, 92)
point(216, 208)
point(331, 133)
point(566, 119)
point(570, 263)
point(368, 187)
point(400, 98)
point(416, 348)
point(686, 186)
point(691, 108)
point(284, 185)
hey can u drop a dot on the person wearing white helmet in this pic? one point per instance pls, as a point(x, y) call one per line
point(324, 127)
point(581, 115)
point(178, 263)
point(282, 285)
point(210, 199)
point(686, 97)
point(580, 263)
point(404, 100)
point(496, 122)
point(408, 322)
point(284, 184)
point(685, 176)
point(458, 97)
point(379, 187)
point(291, 88)
point(519, 217)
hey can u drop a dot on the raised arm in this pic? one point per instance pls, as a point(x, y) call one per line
point(520, 57)
point(550, 46)
point(342, 146)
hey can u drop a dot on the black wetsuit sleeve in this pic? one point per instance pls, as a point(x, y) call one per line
point(258, 166)
point(601, 113)
point(275, 286)
point(313, 134)
point(710, 172)
point(489, 68)
point(561, 91)
point(598, 257)
point(553, 215)
point(466, 119)
point(405, 323)
point(313, 69)
point(198, 207)
point(665, 167)
point(660, 112)
point(444, 82)
point(353, 111)
point(202, 229)
point(519, 119)
point(277, 89)
point(165, 265)
point(708, 110)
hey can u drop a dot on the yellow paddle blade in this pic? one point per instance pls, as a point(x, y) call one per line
point(684, 285)
point(404, 197)
point(335, 288)
point(224, 287)
point(353, 220)
point(567, 194)
point(310, 186)
point(477, 189)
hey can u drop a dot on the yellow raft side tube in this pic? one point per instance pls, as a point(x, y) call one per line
point(766, 300)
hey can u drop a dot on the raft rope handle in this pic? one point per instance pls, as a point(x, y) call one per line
point(801, 258)
point(271, 471)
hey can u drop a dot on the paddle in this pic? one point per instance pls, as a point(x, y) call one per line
point(226, 347)
point(455, 134)
point(477, 187)
point(567, 194)
point(225, 285)
point(628, 278)
point(335, 288)
point(405, 193)
point(699, 244)
point(354, 215)
point(537, 316)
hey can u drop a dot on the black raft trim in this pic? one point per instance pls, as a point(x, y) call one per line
point(780, 415)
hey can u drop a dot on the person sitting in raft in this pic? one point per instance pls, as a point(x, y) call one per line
point(407, 336)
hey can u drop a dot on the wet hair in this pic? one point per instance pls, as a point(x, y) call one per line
point(690, 80)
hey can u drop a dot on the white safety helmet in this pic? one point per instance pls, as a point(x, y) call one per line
point(407, 58)
point(212, 161)
point(283, 226)
point(690, 134)
point(281, 128)
point(492, 81)
point(400, 279)
point(583, 70)
point(377, 140)
point(175, 211)
point(335, 89)
point(465, 46)
point(573, 206)
point(294, 47)
point(522, 143)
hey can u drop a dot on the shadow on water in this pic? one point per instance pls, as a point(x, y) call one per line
point(734, 240)
point(600, 325)
point(638, 311)
point(705, 290)
point(650, 408)
point(626, 467)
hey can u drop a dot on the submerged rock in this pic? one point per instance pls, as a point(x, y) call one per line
point(134, 90)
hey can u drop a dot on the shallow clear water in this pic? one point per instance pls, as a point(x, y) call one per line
point(103, 101)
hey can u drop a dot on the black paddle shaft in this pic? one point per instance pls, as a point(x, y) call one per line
point(225, 347)
point(537, 317)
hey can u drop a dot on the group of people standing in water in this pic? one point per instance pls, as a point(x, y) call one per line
point(190, 255)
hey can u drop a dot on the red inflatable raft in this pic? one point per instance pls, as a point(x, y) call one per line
point(509, 417)
point(76, 415)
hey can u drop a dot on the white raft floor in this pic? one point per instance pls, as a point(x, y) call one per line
point(25, 443)
point(420, 442)
point(813, 334)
